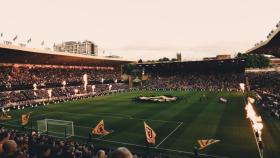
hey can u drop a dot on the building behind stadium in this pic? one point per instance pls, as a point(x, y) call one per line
point(85, 47)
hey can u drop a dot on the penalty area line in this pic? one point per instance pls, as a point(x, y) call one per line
point(188, 152)
point(169, 134)
point(143, 146)
point(112, 141)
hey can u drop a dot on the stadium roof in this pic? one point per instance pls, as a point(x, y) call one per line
point(24, 55)
point(270, 46)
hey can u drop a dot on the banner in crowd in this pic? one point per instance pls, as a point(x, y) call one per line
point(100, 129)
point(150, 134)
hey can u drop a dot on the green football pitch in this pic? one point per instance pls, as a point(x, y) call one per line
point(178, 124)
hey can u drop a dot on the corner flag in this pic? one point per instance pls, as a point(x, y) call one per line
point(206, 142)
point(150, 134)
point(25, 118)
point(100, 129)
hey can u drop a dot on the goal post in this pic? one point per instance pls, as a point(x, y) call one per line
point(57, 128)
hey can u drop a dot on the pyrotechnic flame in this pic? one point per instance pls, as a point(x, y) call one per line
point(75, 91)
point(85, 79)
point(50, 93)
point(63, 84)
point(34, 86)
point(251, 100)
point(110, 87)
point(251, 114)
point(242, 86)
point(93, 88)
point(258, 126)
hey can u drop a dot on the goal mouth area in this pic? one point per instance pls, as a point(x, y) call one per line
point(56, 128)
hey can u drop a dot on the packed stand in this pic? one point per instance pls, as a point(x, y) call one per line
point(22, 84)
point(19, 144)
point(28, 75)
point(41, 96)
point(108, 81)
point(217, 82)
point(266, 85)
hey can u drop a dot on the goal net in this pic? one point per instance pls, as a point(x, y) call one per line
point(57, 128)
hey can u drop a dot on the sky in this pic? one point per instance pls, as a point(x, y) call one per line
point(146, 29)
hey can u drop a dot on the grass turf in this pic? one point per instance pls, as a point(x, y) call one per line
point(193, 119)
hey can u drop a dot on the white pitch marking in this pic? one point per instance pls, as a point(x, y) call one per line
point(187, 152)
point(169, 135)
point(142, 146)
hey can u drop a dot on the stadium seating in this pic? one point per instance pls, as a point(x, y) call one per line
point(266, 85)
point(18, 83)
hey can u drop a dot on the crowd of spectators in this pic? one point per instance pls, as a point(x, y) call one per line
point(266, 85)
point(47, 82)
point(21, 83)
point(23, 97)
point(20, 144)
point(217, 82)
point(31, 144)
point(228, 82)
point(268, 82)
point(28, 75)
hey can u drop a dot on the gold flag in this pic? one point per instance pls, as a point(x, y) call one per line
point(150, 134)
point(25, 118)
point(100, 129)
point(206, 142)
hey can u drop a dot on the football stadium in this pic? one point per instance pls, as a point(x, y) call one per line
point(72, 102)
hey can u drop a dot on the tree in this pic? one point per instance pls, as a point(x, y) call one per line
point(174, 59)
point(254, 60)
point(128, 68)
point(164, 59)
